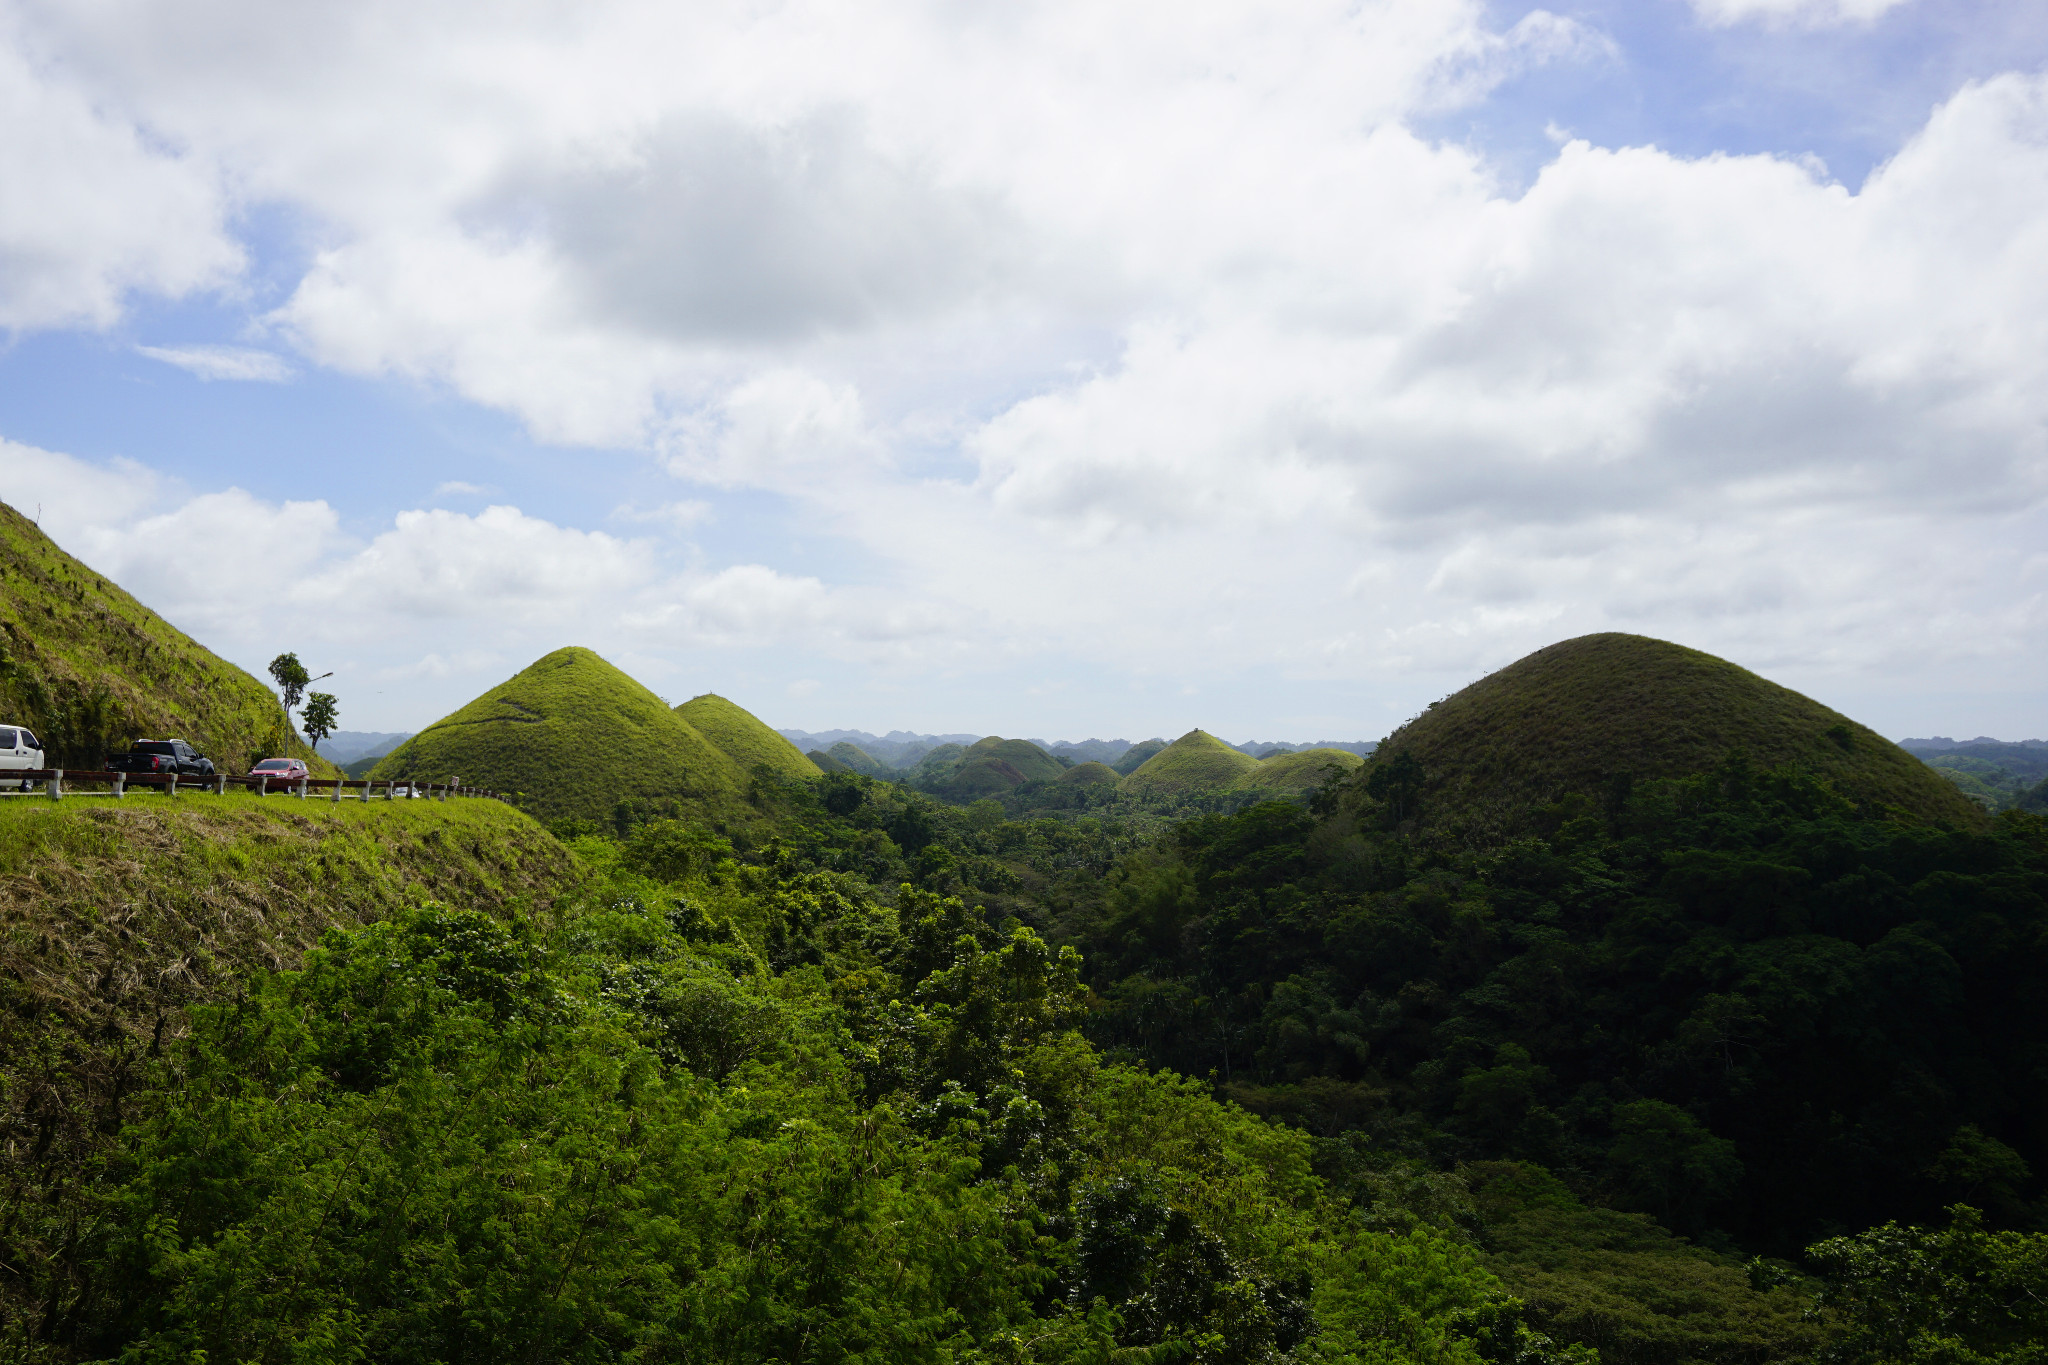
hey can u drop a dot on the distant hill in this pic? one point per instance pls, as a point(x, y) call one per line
point(1584, 714)
point(1996, 774)
point(988, 767)
point(348, 746)
point(742, 738)
point(1085, 750)
point(89, 668)
point(826, 763)
point(1300, 771)
point(574, 736)
point(897, 749)
point(1088, 775)
point(857, 759)
point(1194, 761)
point(1137, 755)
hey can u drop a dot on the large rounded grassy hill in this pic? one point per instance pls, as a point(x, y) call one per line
point(1196, 761)
point(740, 736)
point(1578, 715)
point(1301, 771)
point(573, 736)
point(992, 765)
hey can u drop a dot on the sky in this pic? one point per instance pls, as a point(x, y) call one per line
point(1064, 369)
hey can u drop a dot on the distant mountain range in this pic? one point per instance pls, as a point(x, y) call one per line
point(346, 746)
point(904, 750)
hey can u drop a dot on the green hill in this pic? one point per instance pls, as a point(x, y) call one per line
point(856, 759)
point(741, 737)
point(574, 736)
point(1088, 775)
point(1301, 771)
point(825, 763)
point(1133, 758)
point(987, 767)
point(89, 668)
point(1577, 716)
point(1195, 761)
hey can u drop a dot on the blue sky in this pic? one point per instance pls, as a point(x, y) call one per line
point(1046, 369)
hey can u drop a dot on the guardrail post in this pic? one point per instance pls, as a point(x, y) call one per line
point(220, 784)
point(120, 785)
point(56, 784)
point(302, 789)
point(262, 787)
point(171, 784)
point(335, 797)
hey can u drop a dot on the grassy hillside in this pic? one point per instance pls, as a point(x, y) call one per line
point(1133, 758)
point(825, 763)
point(574, 736)
point(1196, 760)
point(1577, 716)
point(115, 917)
point(742, 738)
point(1088, 775)
point(89, 668)
point(1300, 771)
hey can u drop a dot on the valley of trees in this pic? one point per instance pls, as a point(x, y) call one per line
point(1622, 1008)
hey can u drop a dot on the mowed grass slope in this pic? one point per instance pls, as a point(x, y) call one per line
point(1301, 771)
point(738, 734)
point(90, 669)
point(1577, 715)
point(1195, 761)
point(572, 736)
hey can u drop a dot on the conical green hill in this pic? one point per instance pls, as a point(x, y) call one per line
point(826, 763)
point(741, 737)
point(1301, 771)
point(90, 669)
point(995, 764)
point(1089, 775)
point(1576, 715)
point(856, 759)
point(1134, 757)
point(573, 735)
point(1196, 761)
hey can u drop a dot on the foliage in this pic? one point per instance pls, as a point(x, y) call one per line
point(291, 678)
point(1732, 1001)
point(1957, 1295)
point(574, 736)
point(628, 1132)
point(90, 669)
point(319, 718)
point(741, 737)
point(116, 917)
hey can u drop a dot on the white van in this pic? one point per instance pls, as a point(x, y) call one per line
point(19, 748)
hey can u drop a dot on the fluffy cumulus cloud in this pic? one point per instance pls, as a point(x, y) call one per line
point(1155, 334)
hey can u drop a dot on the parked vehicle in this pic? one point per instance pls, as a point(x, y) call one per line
point(162, 756)
point(281, 771)
point(19, 749)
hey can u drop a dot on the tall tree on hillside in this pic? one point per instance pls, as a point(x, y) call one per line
point(318, 718)
point(291, 679)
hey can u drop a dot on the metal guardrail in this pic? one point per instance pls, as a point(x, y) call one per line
point(336, 788)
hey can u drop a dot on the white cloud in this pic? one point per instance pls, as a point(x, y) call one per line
point(93, 208)
point(1153, 335)
point(1794, 13)
point(223, 362)
point(457, 488)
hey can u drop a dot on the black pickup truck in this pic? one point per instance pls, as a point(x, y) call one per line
point(162, 756)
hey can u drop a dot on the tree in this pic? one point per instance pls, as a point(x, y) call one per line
point(318, 718)
point(291, 679)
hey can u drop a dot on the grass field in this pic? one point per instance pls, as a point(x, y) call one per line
point(572, 736)
point(90, 669)
point(1581, 715)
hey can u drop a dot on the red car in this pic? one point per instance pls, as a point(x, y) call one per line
point(280, 771)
